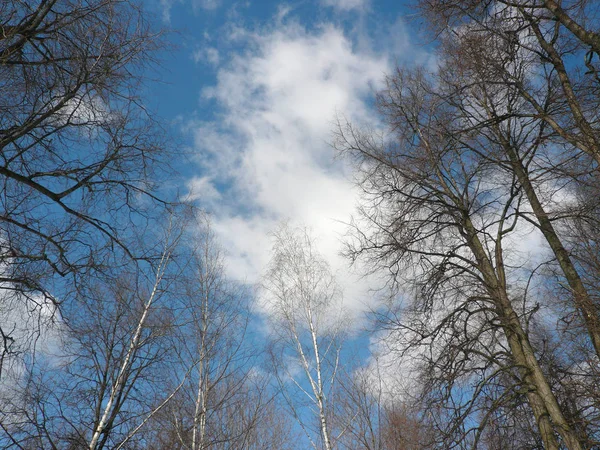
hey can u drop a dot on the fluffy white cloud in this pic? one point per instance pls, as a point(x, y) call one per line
point(267, 153)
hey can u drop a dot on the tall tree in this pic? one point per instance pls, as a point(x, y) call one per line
point(508, 74)
point(303, 302)
point(222, 398)
point(439, 215)
point(106, 376)
point(78, 148)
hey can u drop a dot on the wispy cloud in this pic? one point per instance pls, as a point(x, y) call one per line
point(198, 5)
point(346, 5)
point(166, 6)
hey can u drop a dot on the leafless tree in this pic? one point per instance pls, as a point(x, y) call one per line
point(360, 408)
point(303, 304)
point(222, 398)
point(106, 377)
point(564, 35)
point(78, 148)
point(498, 85)
point(269, 429)
point(374, 416)
point(509, 83)
point(272, 430)
point(509, 101)
point(438, 214)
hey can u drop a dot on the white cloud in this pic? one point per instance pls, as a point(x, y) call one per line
point(345, 5)
point(268, 150)
point(167, 5)
point(209, 55)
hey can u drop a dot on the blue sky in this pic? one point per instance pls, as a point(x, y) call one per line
point(252, 91)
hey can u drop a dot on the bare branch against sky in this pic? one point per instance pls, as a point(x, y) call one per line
point(328, 224)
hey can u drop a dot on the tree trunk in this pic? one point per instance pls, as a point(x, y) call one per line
point(543, 403)
point(583, 302)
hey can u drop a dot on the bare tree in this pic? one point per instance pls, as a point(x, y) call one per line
point(304, 309)
point(272, 430)
point(375, 415)
point(501, 66)
point(129, 370)
point(564, 35)
point(438, 215)
point(360, 408)
point(222, 397)
point(509, 101)
point(105, 379)
point(256, 414)
point(499, 80)
point(78, 148)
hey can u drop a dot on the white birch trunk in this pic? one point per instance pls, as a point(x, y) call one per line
point(121, 380)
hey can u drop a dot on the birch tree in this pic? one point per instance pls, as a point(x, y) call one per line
point(303, 303)
point(213, 349)
point(109, 406)
point(99, 388)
